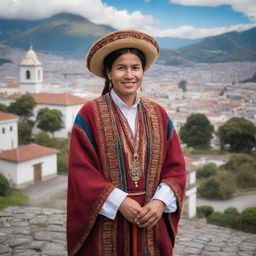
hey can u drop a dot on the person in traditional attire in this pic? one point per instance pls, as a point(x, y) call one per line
point(126, 174)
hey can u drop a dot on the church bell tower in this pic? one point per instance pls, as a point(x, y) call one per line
point(31, 73)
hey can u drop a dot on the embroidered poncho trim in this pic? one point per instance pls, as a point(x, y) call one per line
point(97, 165)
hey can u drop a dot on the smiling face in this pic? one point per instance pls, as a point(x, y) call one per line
point(126, 75)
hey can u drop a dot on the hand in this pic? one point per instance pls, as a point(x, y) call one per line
point(130, 209)
point(150, 214)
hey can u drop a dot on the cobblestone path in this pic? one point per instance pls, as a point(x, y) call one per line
point(28, 231)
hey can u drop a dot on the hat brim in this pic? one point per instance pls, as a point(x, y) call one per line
point(118, 40)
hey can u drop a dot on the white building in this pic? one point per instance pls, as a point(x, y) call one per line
point(31, 73)
point(66, 103)
point(8, 131)
point(31, 81)
point(10, 89)
point(28, 164)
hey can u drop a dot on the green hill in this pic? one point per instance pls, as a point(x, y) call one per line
point(233, 46)
point(71, 35)
point(250, 80)
point(63, 34)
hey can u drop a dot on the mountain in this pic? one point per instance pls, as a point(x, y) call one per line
point(175, 43)
point(233, 46)
point(71, 35)
point(3, 61)
point(10, 28)
point(63, 34)
point(250, 80)
point(58, 30)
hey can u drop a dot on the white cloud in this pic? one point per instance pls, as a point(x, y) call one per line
point(190, 32)
point(247, 7)
point(100, 13)
point(94, 10)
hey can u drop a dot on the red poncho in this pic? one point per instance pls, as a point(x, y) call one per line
point(99, 160)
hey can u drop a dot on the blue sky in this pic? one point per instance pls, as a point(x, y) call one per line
point(189, 19)
point(174, 15)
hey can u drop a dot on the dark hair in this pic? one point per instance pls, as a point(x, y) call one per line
point(110, 58)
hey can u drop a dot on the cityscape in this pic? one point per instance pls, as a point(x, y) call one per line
point(205, 79)
point(215, 90)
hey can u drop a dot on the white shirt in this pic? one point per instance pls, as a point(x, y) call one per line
point(116, 197)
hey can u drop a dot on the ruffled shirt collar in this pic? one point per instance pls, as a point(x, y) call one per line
point(128, 112)
point(121, 104)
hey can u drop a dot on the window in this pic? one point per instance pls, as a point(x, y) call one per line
point(27, 74)
point(38, 74)
point(3, 130)
point(10, 128)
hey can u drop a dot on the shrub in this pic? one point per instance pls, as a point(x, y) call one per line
point(245, 221)
point(248, 220)
point(204, 211)
point(207, 170)
point(62, 162)
point(60, 143)
point(4, 186)
point(217, 218)
point(43, 139)
point(209, 189)
point(236, 160)
point(232, 217)
point(227, 185)
point(246, 176)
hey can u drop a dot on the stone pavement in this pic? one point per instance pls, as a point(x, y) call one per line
point(29, 231)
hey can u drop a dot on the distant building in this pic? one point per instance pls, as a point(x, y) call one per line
point(31, 73)
point(8, 131)
point(28, 164)
point(10, 89)
point(31, 81)
point(66, 103)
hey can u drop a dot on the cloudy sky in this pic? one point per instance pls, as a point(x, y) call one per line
point(163, 18)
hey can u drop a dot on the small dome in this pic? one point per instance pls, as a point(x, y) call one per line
point(31, 59)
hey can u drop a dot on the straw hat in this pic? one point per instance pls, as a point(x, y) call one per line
point(118, 40)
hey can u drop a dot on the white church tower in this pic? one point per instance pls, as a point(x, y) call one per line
point(31, 73)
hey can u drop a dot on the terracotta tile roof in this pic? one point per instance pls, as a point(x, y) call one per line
point(14, 96)
point(12, 86)
point(26, 152)
point(7, 116)
point(64, 99)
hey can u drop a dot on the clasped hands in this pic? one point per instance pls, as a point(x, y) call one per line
point(146, 216)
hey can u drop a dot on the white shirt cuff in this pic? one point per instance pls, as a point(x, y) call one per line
point(112, 203)
point(166, 195)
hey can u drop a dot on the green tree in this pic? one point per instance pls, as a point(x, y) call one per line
point(239, 133)
point(3, 108)
point(183, 85)
point(23, 106)
point(49, 120)
point(24, 133)
point(197, 131)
